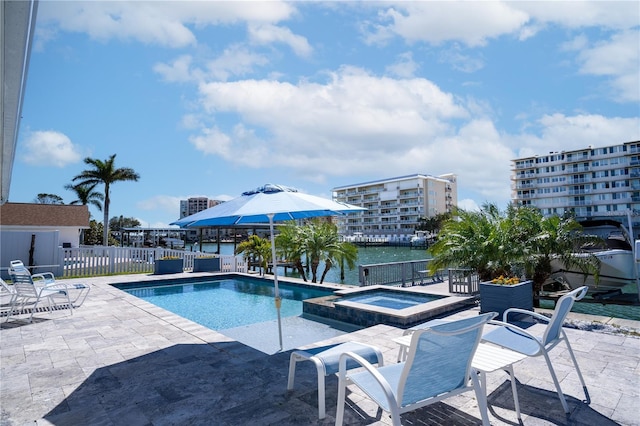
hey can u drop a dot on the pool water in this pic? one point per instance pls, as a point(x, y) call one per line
point(390, 299)
point(227, 303)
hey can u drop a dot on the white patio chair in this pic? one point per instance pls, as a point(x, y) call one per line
point(438, 366)
point(77, 292)
point(27, 292)
point(520, 340)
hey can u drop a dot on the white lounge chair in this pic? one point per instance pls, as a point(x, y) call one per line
point(520, 340)
point(8, 294)
point(438, 366)
point(27, 292)
point(77, 292)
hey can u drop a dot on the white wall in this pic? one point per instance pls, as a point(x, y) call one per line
point(15, 245)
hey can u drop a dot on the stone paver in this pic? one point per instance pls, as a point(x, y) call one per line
point(117, 361)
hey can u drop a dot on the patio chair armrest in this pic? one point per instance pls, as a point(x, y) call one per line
point(55, 286)
point(516, 329)
point(384, 384)
point(532, 314)
point(46, 277)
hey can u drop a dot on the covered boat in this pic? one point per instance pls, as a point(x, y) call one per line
point(616, 256)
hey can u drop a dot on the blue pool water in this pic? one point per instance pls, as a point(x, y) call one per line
point(391, 299)
point(227, 303)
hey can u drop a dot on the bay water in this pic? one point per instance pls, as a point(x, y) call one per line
point(386, 254)
point(366, 256)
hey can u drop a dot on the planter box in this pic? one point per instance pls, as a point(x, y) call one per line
point(168, 266)
point(206, 264)
point(498, 298)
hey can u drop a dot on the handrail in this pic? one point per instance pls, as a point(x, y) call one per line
point(402, 274)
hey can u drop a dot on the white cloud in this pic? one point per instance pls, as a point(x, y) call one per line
point(460, 61)
point(269, 34)
point(162, 23)
point(50, 148)
point(471, 23)
point(178, 71)
point(618, 58)
point(618, 15)
point(234, 61)
point(212, 141)
point(310, 125)
point(556, 132)
point(468, 204)
point(405, 66)
point(474, 23)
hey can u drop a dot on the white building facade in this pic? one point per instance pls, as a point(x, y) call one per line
point(591, 182)
point(395, 205)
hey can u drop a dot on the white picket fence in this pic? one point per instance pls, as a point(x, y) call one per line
point(99, 260)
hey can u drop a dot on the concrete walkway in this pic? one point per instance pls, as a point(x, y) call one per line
point(121, 361)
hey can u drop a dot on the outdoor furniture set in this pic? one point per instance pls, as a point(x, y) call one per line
point(440, 359)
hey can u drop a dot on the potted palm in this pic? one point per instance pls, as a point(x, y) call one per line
point(519, 242)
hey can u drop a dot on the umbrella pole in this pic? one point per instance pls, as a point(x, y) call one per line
point(278, 300)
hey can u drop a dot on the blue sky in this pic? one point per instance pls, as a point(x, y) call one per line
point(215, 98)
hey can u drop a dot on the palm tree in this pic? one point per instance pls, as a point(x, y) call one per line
point(342, 252)
point(258, 248)
point(347, 254)
point(290, 245)
point(104, 172)
point(321, 241)
point(86, 195)
point(43, 198)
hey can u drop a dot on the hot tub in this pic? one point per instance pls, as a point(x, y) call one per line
point(399, 307)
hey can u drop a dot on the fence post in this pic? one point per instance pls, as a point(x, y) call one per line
point(403, 278)
point(111, 259)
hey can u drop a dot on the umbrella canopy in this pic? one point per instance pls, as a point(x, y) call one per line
point(267, 204)
point(255, 206)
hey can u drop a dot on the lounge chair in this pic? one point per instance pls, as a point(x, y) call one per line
point(438, 366)
point(520, 340)
point(27, 292)
point(326, 359)
point(77, 292)
point(7, 292)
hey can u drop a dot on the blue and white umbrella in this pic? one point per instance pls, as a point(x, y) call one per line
point(267, 204)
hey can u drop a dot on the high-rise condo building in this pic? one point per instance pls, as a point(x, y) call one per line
point(396, 205)
point(591, 182)
point(194, 205)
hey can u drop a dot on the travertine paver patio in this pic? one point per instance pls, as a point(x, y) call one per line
point(119, 360)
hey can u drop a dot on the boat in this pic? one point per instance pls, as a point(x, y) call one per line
point(420, 238)
point(616, 256)
point(171, 242)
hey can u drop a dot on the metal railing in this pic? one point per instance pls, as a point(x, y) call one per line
point(398, 274)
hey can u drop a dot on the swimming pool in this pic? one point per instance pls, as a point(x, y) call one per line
point(225, 303)
point(391, 299)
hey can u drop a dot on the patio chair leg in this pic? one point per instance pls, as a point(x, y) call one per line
point(575, 364)
point(480, 389)
point(514, 391)
point(556, 383)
